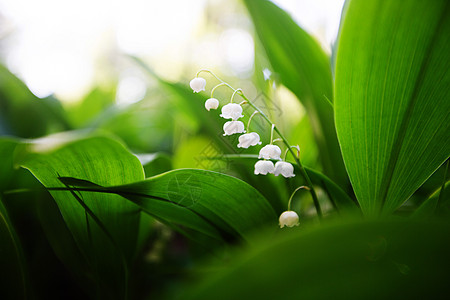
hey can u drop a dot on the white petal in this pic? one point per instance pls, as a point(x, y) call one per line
point(248, 139)
point(284, 168)
point(264, 167)
point(232, 111)
point(198, 84)
point(232, 127)
point(270, 152)
point(211, 103)
point(288, 218)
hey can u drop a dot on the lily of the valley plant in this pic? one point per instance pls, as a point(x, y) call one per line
point(269, 152)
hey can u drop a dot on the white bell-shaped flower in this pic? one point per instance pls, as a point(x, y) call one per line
point(211, 103)
point(289, 218)
point(264, 167)
point(232, 111)
point(284, 168)
point(249, 139)
point(270, 152)
point(198, 84)
point(232, 127)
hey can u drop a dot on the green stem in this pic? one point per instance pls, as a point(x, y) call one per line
point(212, 91)
point(234, 93)
point(271, 134)
point(293, 193)
point(250, 119)
point(285, 141)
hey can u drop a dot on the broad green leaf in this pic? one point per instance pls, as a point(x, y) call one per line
point(392, 97)
point(214, 204)
point(107, 162)
point(13, 282)
point(305, 69)
point(353, 260)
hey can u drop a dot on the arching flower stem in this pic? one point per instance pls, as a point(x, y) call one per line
point(285, 141)
point(212, 91)
point(271, 134)
point(250, 120)
point(287, 150)
point(293, 193)
point(234, 93)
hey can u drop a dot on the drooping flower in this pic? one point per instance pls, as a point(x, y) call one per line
point(232, 111)
point(270, 152)
point(211, 103)
point(288, 218)
point(264, 167)
point(232, 127)
point(198, 84)
point(284, 168)
point(249, 139)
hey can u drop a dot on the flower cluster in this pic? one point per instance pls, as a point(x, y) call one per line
point(233, 112)
point(268, 153)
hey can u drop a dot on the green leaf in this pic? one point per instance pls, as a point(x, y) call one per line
point(402, 260)
point(214, 204)
point(13, 282)
point(305, 69)
point(392, 97)
point(107, 162)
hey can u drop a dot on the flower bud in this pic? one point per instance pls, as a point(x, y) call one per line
point(198, 84)
point(289, 218)
point(232, 111)
point(270, 152)
point(211, 103)
point(249, 139)
point(284, 168)
point(232, 127)
point(264, 167)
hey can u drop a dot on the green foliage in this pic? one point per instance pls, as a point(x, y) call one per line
point(392, 97)
point(354, 260)
point(77, 203)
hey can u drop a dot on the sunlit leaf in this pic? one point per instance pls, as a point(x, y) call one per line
point(214, 204)
point(393, 97)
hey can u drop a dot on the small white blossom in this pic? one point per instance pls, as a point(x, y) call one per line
point(249, 139)
point(211, 103)
point(284, 168)
point(232, 127)
point(198, 84)
point(264, 167)
point(270, 152)
point(266, 73)
point(289, 218)
point(232, 111)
